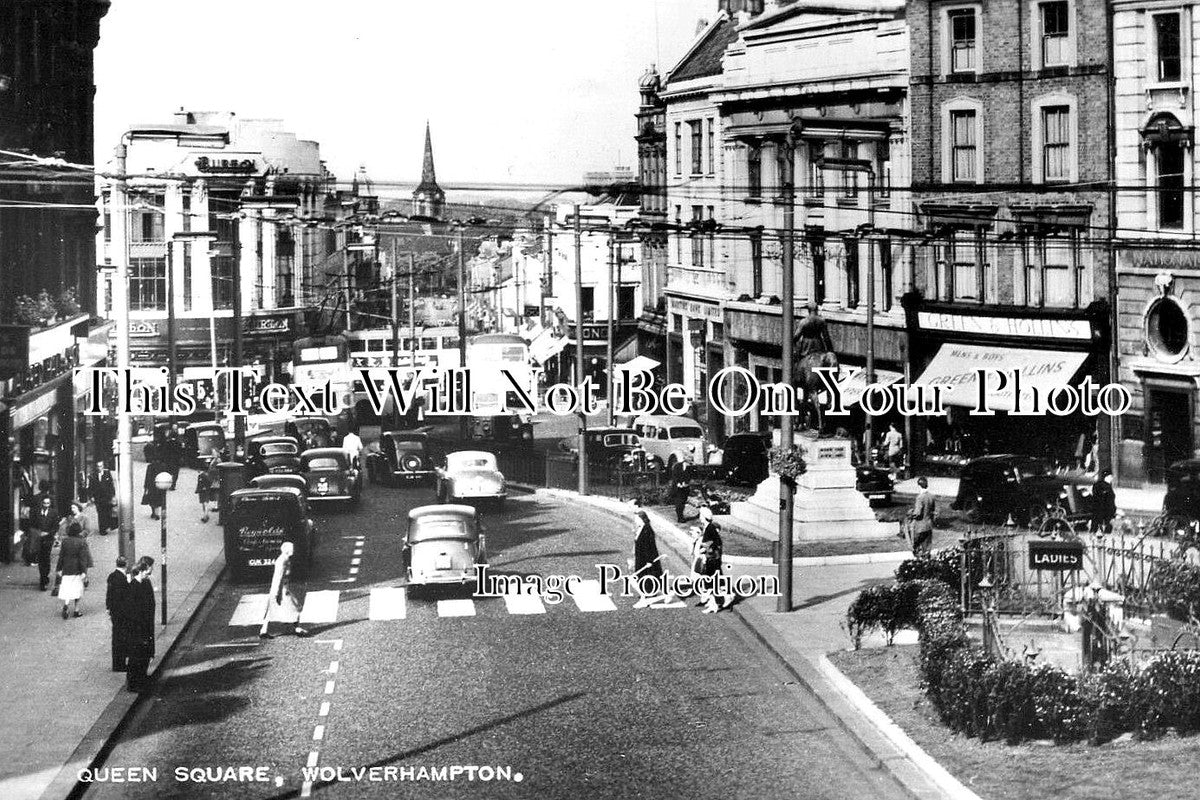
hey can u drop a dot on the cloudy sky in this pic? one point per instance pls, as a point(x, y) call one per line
point(525, 91)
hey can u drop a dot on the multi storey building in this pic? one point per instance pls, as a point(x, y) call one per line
point(1011, 177)
point(652, 176)
point(1158, 288)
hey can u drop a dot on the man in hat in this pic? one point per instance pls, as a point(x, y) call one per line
point(923, 512)
point(1104, 503)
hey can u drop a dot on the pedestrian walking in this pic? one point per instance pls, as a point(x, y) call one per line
point(115, 598)
point(102, 491)
point(205, 493)
point(1104, 503)
point(352, 446)
point(74, 560)
point(173, 455)
point(681, 487)
point(138, 618)
point(151, 495)
point(74, 516)
point(922, 515)
point(893, 442)
point(282, 603)
point(44, 523)
point(707, 553)
point(647, 569)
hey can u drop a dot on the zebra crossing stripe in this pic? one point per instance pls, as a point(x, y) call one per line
point(588, 597)
point(320, 607)
point(250, 610)
point(388, 602)
point(456, 608)
point(524, 604)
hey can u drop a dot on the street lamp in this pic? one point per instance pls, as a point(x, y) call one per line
point(162, 482)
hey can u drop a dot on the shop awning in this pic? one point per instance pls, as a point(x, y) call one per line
point(956, 365)
point(853, 388)
point(546, 346)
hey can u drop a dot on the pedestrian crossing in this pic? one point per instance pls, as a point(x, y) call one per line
point(391, 604)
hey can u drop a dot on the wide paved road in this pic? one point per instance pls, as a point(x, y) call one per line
point(617, 703)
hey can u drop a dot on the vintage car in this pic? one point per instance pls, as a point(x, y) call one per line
point(202, 441)
point(280, 481)
point(608, 449)
point(668, 439)
point(1023, 488)
point(1182, 501)
point(402, 456)
point(874, 481)
point(443, 544)
point(744, 459)
point(259, 520)
point(272, 455)
point(503, 427)
point(330, 475)
point(470, 475)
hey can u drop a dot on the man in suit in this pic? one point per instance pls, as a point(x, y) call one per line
point(102, 490)
point(922, 515)
point(681, 487)
point(44, 524)
point(114, 601)
point(138, 618)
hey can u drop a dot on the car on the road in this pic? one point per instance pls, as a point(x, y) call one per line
point(280, 481)
point(999, 487)
point(443, 544)
point(503, 427)
point(272, 455)
point(471, 475)
point(744, 459)
point(609, 449)
point(875, 482)
point(668, 439)
point(258, 521)
point(202, 441)
point(330, 475)
point(407, 456)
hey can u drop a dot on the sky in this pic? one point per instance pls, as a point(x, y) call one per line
point(516, 91)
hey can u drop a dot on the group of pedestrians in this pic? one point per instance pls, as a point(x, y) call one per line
point(130, 602)
point(706, 564)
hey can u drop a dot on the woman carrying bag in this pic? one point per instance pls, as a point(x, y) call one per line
point(74, 560)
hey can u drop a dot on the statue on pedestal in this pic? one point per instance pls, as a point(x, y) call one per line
point(814, 348)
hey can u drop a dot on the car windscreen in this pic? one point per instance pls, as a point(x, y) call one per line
point(426, 529)
point(686, 432)
point(476, 462)
point(410, 447)
point(323, 463)
point(278, 450)
point(1032, 468)
point(620, 440)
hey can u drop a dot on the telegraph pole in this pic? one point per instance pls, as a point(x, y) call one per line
point(787, 439)
point(871, 305)
point(583, 465)
point(346, 278)
point(412, 311)
point(125, 505)
point(395, 310)
point(239, 416)
point(462, 321)
point(612, 310)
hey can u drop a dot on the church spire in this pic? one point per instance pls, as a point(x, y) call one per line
point(428, 199)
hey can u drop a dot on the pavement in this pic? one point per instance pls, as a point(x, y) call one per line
point(64, 701)
point(1145, 500)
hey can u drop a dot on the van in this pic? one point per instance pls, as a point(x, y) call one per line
point(669, 439)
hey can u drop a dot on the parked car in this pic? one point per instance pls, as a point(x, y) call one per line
point(279, 481)
point(502, 428)
point(608, 449)
point(471, 475)
point(669, 439)
point(402, 456)
point(443, 544)
point(272, 455)
point(330, 475)
point(874, 481)
point(202, 441)
point(993, 488)
point(258, 522)
point(744, 458)
point(1182, 500)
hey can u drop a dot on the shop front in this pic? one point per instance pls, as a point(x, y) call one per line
point(695, 351)
point(1030, 355)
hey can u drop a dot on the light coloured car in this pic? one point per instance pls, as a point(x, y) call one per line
point(667, 440)
point(471, 475)
point(443, 544)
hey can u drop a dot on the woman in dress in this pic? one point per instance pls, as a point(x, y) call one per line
point(74, 560)
point(74, 517)
point(205, 489)
point(283, 604)
point(647, 570)
point(707, 553)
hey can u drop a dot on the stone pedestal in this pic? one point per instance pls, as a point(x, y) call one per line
point(827, 504)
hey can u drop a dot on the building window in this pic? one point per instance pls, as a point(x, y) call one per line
point(816, 176)
point(285, 251)
point(885, 272)
point(964, 146)
point(756, 264)
point(222, 281)
point(849, 151)
point(965, 278)
point(712, 148)
point(587, 297)
point(1168, 48)
point(1170, 161)
point(1056, 143)
point(697, 147)
point(783, 166)
point(818, 262)
point(679, 234)
point(1052, 274)
point(187, 275)
point(678, 148)
point(187, 211)
point(147, 219)
point(963, 43)
point(147, 284)
point(626, 305)
point(754, 169)
point(1055, 20)
point(696, 237)
point(1167, 328)
point(852, 285)
point(712, 237)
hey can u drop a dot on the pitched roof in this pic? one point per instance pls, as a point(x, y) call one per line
point(704, 60)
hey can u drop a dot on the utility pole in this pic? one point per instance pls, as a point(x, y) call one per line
point(239, 417)
point(870, 305)
point(583, 464)
point(612, 312)
point(412, 311)
point(395, 330)
point(346, 278)
point(120, 199)
point(462, 322)
point(787, 439)
point(172, 350)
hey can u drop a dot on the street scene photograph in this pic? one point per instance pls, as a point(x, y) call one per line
point(645, 399)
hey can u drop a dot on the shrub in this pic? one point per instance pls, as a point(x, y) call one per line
point(787, 461)
point(1109, 692)
point(944, 565)
point(1176, 586)
point(1166, 694)
point(886, 608)
point(67, 304)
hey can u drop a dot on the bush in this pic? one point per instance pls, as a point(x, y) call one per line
point(886, 608)
point(944, 565)
point(1110, 691)
point(1176, 586)
point(787, 462)
point(1166, 694)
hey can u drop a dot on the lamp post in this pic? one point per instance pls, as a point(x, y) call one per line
point(162, 482)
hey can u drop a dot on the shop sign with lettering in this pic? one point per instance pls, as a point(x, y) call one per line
point(695, 310)
point(241, 166)
point(267, 325)
point(143, 328)
point(1029, 328)
point(1056, 556)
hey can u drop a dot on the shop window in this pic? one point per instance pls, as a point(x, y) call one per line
point(1170, 162)
point(1167, 329)
point(1167, 47)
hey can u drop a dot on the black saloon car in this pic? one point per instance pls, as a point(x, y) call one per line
point(402, 456)
point(745, 460)
point(874, 481)
point(610, 449)
point(258, 522)
point(1182, 501)
point(993, 488)
point(330, 475)
point(272, 455)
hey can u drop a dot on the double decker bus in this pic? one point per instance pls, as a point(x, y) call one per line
point(487, 355)
point(373, 349)
point(317, 360)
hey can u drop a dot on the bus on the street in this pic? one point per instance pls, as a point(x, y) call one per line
point(317, 360)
